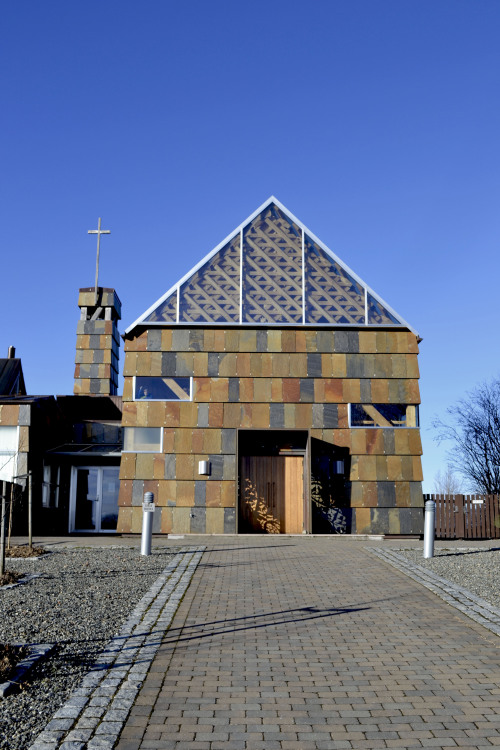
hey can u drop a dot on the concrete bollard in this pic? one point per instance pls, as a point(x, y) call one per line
point(148, 512)
point(429, 528)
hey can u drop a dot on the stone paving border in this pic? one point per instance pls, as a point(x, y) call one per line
point(23, 667)
point(96, 711)
point(468, 603)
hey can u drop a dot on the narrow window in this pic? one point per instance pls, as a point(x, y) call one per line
point(142, 439)
point(384, 415)
point(162, 389)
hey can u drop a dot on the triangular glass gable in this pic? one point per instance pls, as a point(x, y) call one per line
point(271, 271)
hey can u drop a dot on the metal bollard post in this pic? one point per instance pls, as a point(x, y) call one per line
point(429, 528)
point(148, 511)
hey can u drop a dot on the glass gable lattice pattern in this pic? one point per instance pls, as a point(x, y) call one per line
point(166, 311)
point(272, 269)
point(332, 296)
point(272, 272)
point(378, 315)
point(212, 294)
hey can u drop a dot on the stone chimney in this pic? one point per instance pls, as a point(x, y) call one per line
point(97, 342)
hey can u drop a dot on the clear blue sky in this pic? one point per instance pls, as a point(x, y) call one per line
point(375, 122)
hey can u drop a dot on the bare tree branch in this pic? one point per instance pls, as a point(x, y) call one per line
point(474, 429)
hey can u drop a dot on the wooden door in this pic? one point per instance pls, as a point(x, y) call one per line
point(272, 494)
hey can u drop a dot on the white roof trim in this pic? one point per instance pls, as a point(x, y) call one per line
point(141, 320)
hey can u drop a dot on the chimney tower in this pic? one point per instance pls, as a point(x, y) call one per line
point(97, 342)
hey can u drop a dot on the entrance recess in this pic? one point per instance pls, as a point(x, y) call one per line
point(271, 481)
point(94, 498)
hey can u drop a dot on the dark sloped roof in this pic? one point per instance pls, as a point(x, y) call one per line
point(11, 378)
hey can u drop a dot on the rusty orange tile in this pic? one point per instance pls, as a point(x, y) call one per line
point(256, 365)
point(319, 391)
point(166, 521)
point(158, 466)
point(183, 441)
point(300, 341)
point(243, 369)
point(216, 415)
point(276, 390)
point(303, 416)
point(417, 469)
point(184, 466)
point(358, 441)
point(172, 414)
point(201, 389)
point(143, 364)
point(403, 499)
point(394, 469)
point(343, 416)
point(228, 495)
point(247, 389)
point(291, 390)
point(168, 440)
point(124, 525)
point(374, 441)
point(232, 415)
point(414, 442)
point(219, 341)
point(362, 521)
point(267, 365)
point(197, 441)
point(127, 466)
point(287, 341)
point(333, 390)
point(125, 493)
point(401, 442)
point(185, 494)
point(129, 414)
point(167, 491)
point(342, 438)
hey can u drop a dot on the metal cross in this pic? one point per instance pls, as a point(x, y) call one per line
point(98, 231)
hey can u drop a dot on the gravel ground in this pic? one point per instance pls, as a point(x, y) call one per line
point(477, 570)
point(79, 602)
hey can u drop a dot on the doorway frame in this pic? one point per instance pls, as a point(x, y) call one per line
point(306, 453)
point(72, 497)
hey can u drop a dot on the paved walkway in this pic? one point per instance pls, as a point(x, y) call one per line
point(290, 643)
point(295, 643)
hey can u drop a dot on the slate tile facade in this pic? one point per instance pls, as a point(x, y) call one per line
point(264, 379)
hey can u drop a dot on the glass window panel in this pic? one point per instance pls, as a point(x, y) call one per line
point(378, 314)
point(272, 269)
point(332, 295)
point(212, 294)
point(384, 415)
point(8, 439)
point(142, 439)
point(109, 498)
point(162, 389)
point(166, 311)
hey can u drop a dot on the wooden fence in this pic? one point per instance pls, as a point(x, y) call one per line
point(467, 516)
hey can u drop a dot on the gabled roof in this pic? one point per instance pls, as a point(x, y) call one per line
point(11, 378)
point(271, 271)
